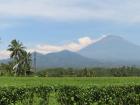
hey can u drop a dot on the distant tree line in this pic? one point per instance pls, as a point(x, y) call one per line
point(7, 70)
point(90, 72)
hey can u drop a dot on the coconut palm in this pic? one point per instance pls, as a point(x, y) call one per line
point(17, 49)
point(26, 62)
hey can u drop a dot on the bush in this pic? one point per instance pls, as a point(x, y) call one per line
point(112, 95)
point(71, 95)
point(13, 95)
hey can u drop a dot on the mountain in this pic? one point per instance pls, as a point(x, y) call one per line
point(4, 61)
point(64, 59)
point(109, 51)
point(113, 49)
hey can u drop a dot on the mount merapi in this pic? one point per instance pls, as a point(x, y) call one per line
point(113, 50)
point(109, 51)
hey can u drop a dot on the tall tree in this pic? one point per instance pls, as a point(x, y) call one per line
point(16, 48)
point(20, 57)
point(26, 62)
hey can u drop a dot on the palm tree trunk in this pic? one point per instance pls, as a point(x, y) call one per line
point(25, 73)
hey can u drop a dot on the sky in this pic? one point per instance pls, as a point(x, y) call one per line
point(54, 25)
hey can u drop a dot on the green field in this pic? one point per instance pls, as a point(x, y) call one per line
point(84, 81)
point(123, 89)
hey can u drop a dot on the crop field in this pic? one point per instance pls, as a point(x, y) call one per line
point(70, 91)
point(74, 81)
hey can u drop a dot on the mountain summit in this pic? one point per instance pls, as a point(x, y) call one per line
point(112, 48)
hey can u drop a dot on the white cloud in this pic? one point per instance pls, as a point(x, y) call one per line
point(72, 46)
point(48, 48)
point(85, 41)
point(124, 11)
point(4, 54)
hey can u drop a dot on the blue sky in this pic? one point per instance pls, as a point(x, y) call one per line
point(52, 25)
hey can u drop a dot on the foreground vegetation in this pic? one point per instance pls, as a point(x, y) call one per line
point(70, 91)
point(71, 95)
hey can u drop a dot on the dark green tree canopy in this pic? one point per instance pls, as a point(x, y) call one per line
point(21, 58)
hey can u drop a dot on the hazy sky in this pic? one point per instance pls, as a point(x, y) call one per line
point(54, 25)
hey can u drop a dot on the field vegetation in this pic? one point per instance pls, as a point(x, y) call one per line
point(70, 91)
point(70, 81)
point(21, 85)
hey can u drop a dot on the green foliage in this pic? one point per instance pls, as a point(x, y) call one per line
point(90, 72)
point(6, 69)
point(73, 81)
point(69, 91)
point(71, 95)
point(14, 95)
point(20, 58)
point(112, 95)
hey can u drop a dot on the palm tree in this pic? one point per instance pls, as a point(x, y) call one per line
point(26, 62)
point(17, 49)
point(21, 58)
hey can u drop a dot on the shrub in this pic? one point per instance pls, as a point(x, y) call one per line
point(71, 95)
point(12, 95)
point(112, 95)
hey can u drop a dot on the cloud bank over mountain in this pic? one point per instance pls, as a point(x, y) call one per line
point(72, 46)
point(4, 54)
point(49, 48)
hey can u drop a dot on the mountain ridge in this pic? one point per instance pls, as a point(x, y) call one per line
point(107, 52)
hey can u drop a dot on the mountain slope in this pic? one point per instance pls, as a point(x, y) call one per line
point(64, 59)
point(113, 49)
point(4, 61)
